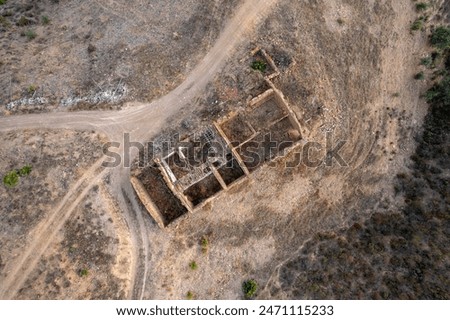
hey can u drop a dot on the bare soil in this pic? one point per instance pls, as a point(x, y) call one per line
point(102, 54)
point(75, 230)
point(168, 204)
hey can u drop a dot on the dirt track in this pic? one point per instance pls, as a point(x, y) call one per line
point(134, 120)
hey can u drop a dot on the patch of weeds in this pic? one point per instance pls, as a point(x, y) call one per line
point(441, 38)
point(25, 171)
point(72, 250)
point(91, 48)
point(418, 24)
point(30, 34)
point(396, 94)
point(45, 20)
point(4, 22)
point(11, 179)
point(189, 295)
point(2, 2)
point(204, 243)
point(249, 288)
point(23, 21)
point(193, 265)
point(440, 93)
point(441, 73)
point(422, 6)
point(83, 272)
point(420, 76)
point(31, 89)
point(259, 65)
point(340, 21)
point(427, 62)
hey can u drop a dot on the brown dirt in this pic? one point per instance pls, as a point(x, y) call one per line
point(353, 79)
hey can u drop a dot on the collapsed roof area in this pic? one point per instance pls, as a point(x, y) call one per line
point(215, 158)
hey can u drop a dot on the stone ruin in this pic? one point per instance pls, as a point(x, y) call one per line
point(216, 158)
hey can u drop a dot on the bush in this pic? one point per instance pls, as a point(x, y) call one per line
point(249, 288)
point(419, 76)
point(189, 295)
point(11, 179)
point(441, 38)
point(204, 244)
point(440, 93)
point(45, 20)
point(5, 22)
point(31, 89)
point(418, 24)
point(23, 21)
point(427, 62)
point(422, 6)
point(259, 65)
point(83, 272)
point(30, 34)
point(2, 2)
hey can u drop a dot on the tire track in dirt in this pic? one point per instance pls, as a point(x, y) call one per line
point(139, 281)
point(127, 247)
point(126, 201)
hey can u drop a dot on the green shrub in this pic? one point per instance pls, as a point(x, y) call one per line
point(45, 20)
point(259, 65)
point(189, 295)
point(30, 34)
point(83, 272)
point(193, 265)
point(422, 6)
point(31, 89)
point(418, 24)
point(440, 93)
point(427, 62)
point(23, 21)
point(2, 2)
point(249, 288)
point(204, 243)
point(11, 179)
point(5, 22)
point(441, 38)
point(419, 76)
point(25, 171)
